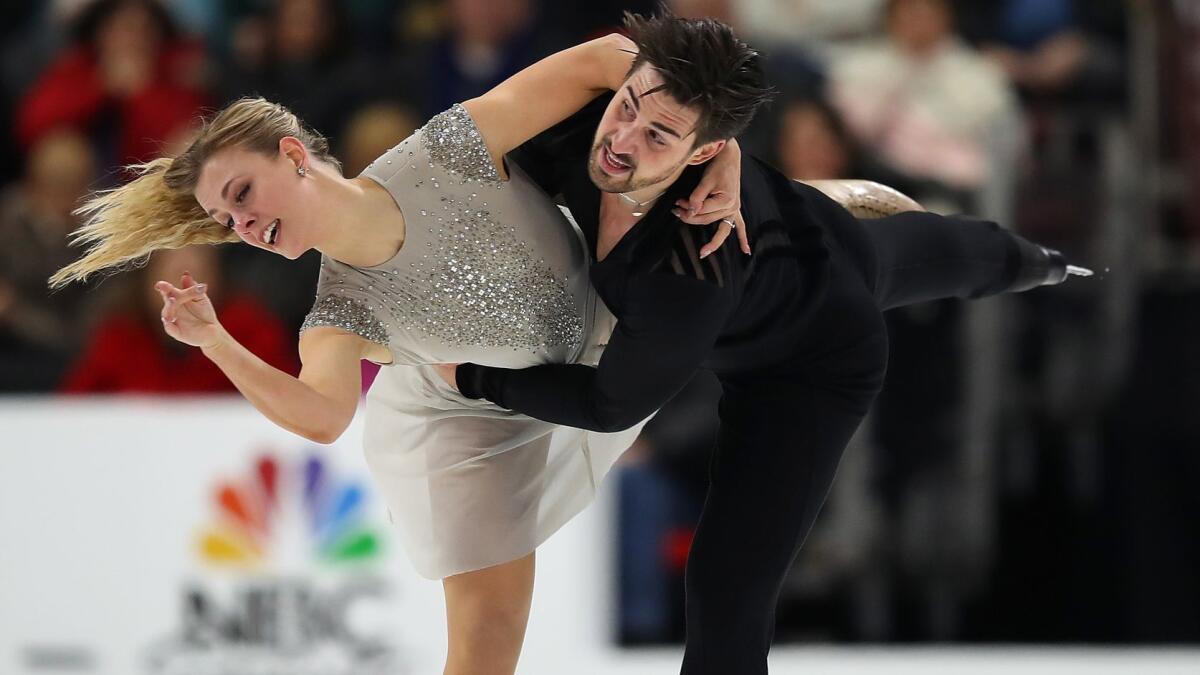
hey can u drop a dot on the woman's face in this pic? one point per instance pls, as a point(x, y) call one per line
point(261, 197)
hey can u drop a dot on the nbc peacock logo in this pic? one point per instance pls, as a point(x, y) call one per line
point(273, 508)
point(289, 579)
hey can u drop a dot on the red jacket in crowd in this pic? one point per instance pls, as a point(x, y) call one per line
point(125, 355)
point(71, 94)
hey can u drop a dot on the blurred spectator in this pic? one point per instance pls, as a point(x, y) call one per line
point(921, 98)
point(128, 80)
point(39, 330)
point(1053, 47)
point(809, 21)
point(372, 131)
point(721, 10)
point(129, 351)
point(27, 42)
point(585, 20)
point(661, 484)
point(813, 142)
point(299, 54)
point(482, 43)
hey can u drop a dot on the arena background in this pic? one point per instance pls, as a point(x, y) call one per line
point(1023, 495)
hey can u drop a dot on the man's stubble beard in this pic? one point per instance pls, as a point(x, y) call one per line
point(606, 183)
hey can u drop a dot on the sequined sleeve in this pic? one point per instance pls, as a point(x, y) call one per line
point(348, 315)
point(455, 144)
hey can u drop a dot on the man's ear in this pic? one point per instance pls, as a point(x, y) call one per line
point(706, 152)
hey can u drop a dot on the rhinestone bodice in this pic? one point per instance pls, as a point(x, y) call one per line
point(490, 271)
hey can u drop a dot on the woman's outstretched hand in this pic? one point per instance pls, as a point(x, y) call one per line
point(718, 197)
point(187, 313)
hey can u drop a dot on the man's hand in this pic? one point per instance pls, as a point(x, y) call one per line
point(718, 197)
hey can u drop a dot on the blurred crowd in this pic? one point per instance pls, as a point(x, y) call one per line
point(996, 492)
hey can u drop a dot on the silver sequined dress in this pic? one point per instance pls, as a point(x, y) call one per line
point(490, 272)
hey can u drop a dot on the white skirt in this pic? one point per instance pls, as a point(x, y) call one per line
point(468, 484)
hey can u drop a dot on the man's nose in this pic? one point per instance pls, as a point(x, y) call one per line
point(623, 141)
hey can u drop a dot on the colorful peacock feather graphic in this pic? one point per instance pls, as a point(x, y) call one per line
point(247, 510)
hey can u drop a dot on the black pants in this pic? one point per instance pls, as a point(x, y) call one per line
point(782, 435)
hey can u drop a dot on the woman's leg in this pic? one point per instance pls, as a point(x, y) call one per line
point(486, 614)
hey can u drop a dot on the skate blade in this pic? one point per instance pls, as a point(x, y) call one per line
point(1072, 270)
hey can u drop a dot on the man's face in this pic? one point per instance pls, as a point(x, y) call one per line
point(645, 136)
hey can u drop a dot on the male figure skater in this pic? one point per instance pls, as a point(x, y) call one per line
point(794, 332)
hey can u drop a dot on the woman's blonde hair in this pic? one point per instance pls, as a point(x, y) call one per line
point(157, 209)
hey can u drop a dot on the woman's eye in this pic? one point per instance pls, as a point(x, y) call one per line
point(241, 195)
point(229, 223)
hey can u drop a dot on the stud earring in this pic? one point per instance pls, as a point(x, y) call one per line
point(300, 171)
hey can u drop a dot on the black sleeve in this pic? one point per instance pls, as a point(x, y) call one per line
point(668, 329)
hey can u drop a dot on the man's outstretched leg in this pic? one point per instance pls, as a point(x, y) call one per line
point(923, 256)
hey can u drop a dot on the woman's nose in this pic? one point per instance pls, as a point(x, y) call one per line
point(243, 224)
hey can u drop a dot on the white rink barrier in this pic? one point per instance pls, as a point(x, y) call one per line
point(192, 537)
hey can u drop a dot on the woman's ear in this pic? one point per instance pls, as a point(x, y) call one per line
point(293, 149)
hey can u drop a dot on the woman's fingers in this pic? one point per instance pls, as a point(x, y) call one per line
point(694, 202)
point(194, 292)
point(168, 310)
point(190, 290)
point(743, 238)
point(723, 231)
point(717, 206)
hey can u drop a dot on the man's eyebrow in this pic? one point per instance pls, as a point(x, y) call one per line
point(637, 105)
point(666, 129)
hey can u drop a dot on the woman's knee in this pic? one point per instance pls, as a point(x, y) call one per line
point(490, 606)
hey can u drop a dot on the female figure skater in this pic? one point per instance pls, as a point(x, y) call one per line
point(795, 333)
point(442, 251)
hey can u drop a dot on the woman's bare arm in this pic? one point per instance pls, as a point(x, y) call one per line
point(549, 91)
point(318, 405)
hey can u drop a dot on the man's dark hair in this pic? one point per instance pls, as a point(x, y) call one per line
point(702, 64)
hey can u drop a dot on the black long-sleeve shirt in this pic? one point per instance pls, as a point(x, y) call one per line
point(738, 315)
